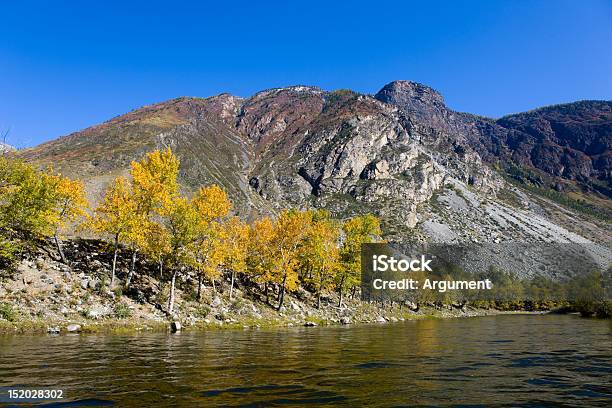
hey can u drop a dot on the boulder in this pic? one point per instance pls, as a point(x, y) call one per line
point(53, 330)
point(175, 327)
point(345, 320)
point(310, 324)
point(93, 284)
point(73, 328)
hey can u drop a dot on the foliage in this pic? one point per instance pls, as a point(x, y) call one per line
point(37, 203)
point(122, 311)
point(357, 231)
point(260, 254)
point(234, 242)
point(8, 253)
point(211, 205)
point(320, 251)
point(8, 312)
point(116, 215)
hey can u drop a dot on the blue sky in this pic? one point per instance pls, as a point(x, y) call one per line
point(65, 66)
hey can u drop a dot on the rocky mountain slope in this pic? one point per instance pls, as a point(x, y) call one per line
point(564, 142)
point(430, 173)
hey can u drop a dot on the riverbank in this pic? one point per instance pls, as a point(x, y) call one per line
point(44, 295)
point(31, 326)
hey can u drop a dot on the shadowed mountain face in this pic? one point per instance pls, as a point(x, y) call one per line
point(393, 154)
point(562, 142)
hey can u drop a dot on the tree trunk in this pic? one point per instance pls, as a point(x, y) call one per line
point(267, 292)
point(199, 297)
point(232, 284)
point(341, 287)
point(58, 244)
point(319, 291)
point(161, 269)
point(171, 300)
point(214, 287)
point(132, 268)
point(114, 268)
point(282, 293)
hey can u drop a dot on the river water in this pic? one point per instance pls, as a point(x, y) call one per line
point(518, 360)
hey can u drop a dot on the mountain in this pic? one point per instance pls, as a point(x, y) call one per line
point(430, 173)
point(560, 144)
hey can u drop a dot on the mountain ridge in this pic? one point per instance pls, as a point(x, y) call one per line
point(401, 154)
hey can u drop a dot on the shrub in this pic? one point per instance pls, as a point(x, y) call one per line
point(8, 252)
point(122, 311)
point(202, 311)
point(118, 291)
point(237, 304)
point(8, 312)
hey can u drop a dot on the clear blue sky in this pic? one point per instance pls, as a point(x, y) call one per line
point(67, 66)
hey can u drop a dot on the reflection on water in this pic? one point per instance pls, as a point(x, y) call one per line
point(489, 361)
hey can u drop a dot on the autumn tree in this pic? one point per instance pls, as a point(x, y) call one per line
point(157, 245)
point(69, 205)
point(260, 253)
point(212, 205)
point(235, 239)
point(357, 231)
point(154, 184)
point(320, 250)
point(38, 203)
point(290, 228)
point(115, 217)
point(180, 218)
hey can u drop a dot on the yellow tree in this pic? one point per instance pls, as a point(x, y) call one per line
point(36, 203)
point(212, 205)
point(70, 204)
point(260, 256)
point(357, 231)
point(115, 216)
point(157, 245)
point(181, 220)
point(320, 250)
point(154, 185)
point(290, 228)
point(27, 199)
point(25, 206)
point(235, 240)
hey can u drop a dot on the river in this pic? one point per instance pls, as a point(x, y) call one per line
point(516, 360)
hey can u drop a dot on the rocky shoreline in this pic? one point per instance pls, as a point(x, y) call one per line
point(36, 326)
point(44, 295)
